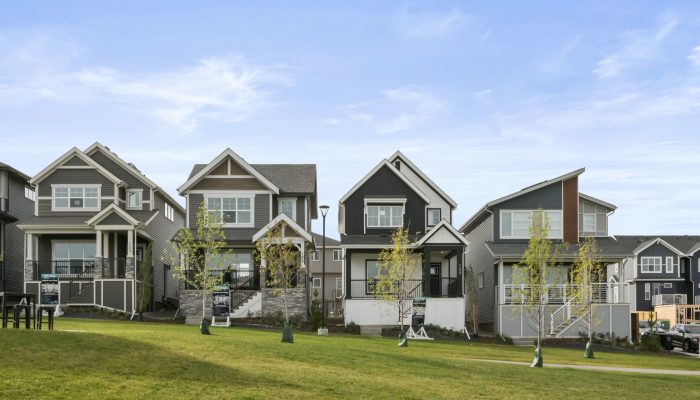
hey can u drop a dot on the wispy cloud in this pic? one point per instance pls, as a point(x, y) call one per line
point(638, 47)
point(694, 56)
point(230, 89)
point(413, 24)
point(398, 110)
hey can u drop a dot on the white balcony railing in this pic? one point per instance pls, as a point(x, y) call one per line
point(674, 298)
point(602, 293)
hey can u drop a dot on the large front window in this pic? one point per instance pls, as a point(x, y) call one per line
point(76, 198)
point(516, 224)
point(73, 257)
point(384, 216)
point(651, 265)
point(231, 210)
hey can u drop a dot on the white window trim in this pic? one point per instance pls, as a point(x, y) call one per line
point(641, 265)
point(583, 223)
point(169, 212)
point(480, 280)
point(668, 285)
point(339, 253)
point(315, 255)
point(82, 209)
point(294, 207)
point(140, 206)
point(647, 291)
point(372, 204)
point(500, 223)
point(29, 193)
point(54, 242)
point(314, 285)
point(669, 270)
point(251, 224)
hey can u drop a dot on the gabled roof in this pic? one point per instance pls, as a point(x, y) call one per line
point(425, 178)
point(330, 242)
point(597, 201)
point(5, 217)
point(442, 225)
point(196, 177)
point(694, 249)
point(130, 168)
point(385, 163)
point(290, 223)
point(5, 167)
point(646, 244)
point(77, 153)
point(521, 192)
point(112, 209)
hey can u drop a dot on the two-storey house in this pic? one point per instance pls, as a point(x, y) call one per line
point(249, 200)
point(16, 201)
point(94, 217)
point(397, 194)
point(499, 236)
point(332, 285)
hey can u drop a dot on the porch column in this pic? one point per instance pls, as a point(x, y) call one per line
point(460, 274)
point(99, 262)
point(29, 258)
point(263, 274)
point(426, 272)
point(347, 261)
point(130, 262)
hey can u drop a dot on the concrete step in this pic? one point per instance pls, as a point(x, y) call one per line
point(369, 330)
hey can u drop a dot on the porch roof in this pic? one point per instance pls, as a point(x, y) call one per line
point(610, 249)
point(7, 217)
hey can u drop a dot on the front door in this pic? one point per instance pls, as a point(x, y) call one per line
point(435, 281)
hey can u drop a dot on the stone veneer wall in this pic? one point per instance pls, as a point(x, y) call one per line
point(273, 303)
point(191, 304)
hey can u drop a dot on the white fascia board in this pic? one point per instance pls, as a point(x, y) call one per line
point(597, 201)
point(75, 152)
point(283, 217)
point(652, 242)
point(374, 170)
point(443, 224)
point(228, 153)
point(537, 186)
point(112, 208)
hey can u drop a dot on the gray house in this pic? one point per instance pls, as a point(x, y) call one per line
point(333, 284)
point(250, 200)
point(94, 217)
point(499, 234)
point(397, 194)
point(16, 202)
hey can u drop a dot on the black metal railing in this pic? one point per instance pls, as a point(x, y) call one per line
point(445, 287)
point(236, 280)
point(368, 288)
point(113, 268)
point(74, 269)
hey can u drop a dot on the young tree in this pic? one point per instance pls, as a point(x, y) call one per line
point(586, 271)
point(397, 269)
point(146, 278)
point(472, 296)
point(280, 262)
point(534, 271)
point(198, 260)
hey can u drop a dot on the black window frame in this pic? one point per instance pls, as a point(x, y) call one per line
point(427, 219)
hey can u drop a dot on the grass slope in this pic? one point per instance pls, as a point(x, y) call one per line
point(115, 359)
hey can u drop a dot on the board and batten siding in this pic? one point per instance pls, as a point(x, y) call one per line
point(481, 260)
point(546, 198)
point(132, 181)
point(436, 201)
point(19, 207)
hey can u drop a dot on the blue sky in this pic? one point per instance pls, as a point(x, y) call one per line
point(485, 98)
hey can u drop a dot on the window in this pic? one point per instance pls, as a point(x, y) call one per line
point(589, 224)
point(169, 212)
point(316, 283)
point(337, 255)
point(73, 257)
point(314, 255)
point(647, 291)
point(384, 216)
point(76, 198)
point(434, 216)
point(668, 285)
point(338, 284)
point(651, 265)
point(231, 210)
point(133, 199)
point(241, 262)
point(288, 206)
point(480, 280)
point(372, 269)
point(29, 193)
point(516, 224)
point(669, 265)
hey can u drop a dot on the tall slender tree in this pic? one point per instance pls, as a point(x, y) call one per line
point(146, 278)
point(587, 270)
point(198, 261)
point(472, 285)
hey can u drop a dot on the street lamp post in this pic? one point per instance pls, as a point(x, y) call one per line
point(324, 329)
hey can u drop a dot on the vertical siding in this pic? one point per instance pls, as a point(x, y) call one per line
point(20, 207)
point(482, 261)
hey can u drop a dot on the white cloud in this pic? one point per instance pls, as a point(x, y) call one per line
point(432, 25)
point(483, 96)
point(398, 110)
point(694, 56)
point(639, 47)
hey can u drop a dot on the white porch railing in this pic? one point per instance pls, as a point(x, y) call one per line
point(675, 298)
point(602, 293)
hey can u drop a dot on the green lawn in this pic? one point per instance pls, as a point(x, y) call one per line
point(114, 359)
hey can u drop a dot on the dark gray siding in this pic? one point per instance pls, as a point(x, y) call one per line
point(113, 219)
point(658, 250)
point(75, 176)
point(19, 207)
point(262, 210)
point(547, 198)
point(162, 230)
point(121, 173)
point(301, 211)
point(74, 161)
point(481, 261)
point(384, 183)
point(45, 209)
point(194, 204)
point(645, 305)
point(693, 264)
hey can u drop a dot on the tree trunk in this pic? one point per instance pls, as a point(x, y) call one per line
point(286, 309)
point(204, 304)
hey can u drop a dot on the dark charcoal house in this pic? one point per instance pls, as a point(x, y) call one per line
point(16, 202)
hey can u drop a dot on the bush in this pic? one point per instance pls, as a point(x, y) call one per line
point(352, 328)
point(651, 342)
point(316, 315)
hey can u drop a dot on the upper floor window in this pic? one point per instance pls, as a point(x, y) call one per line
point(384, 216)
point(589, 223)
point(651, 264)
point(134, 199)
point(231, 210)
point(434, 216)
point(288, 206)
point(314, 255)
point(76, 198)
point(29, 193)
point(480, 280)
point(516, 224)
point(669, 265)
point(337, 255)
point(169, 212)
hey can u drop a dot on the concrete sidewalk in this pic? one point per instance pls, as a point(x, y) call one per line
point(601, 368)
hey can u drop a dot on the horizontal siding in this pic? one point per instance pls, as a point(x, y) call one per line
point(262, 210)
point(547, 198)
point(229, 184)
point(121, 173)
point(20, 207)
point(75, 161)
point(113, 219)
point(194, 203)
point(75, 176)
point(301, 211)
point(481, 261)
point(45, 209)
